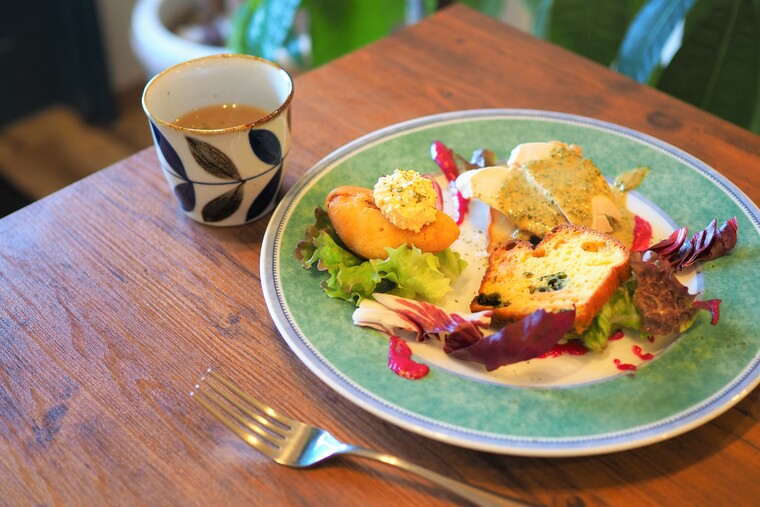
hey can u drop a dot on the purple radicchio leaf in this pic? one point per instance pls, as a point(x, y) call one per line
point(525, 339)
point(169, 153)
point(432, 319)
point(710, 243)
point(372, 314)
point(463, 335)
point(665, 305)
point(223, 206)
point(213, 160)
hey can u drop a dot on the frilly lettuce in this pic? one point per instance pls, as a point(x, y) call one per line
point(666, 307)
point(619, 312)
point(406, 272)
point(653, 302)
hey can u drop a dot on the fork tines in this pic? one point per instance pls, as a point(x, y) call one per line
point(257, 424)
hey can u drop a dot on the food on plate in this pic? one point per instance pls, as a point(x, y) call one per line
point(364, 253)
point(651, 301)
point(572, 267)
point(546, 184)
point(709, 243)
point(367, 232)
point(462, 334)
point(406, 199)
point(451, 165)
point(567, 261)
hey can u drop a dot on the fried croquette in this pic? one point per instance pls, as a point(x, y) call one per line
point(366, 231)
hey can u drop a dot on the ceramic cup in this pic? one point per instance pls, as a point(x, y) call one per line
point(229, 175)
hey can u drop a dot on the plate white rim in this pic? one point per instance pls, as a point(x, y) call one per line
point(634, 437)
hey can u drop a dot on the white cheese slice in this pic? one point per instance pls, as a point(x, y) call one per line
point(483, 184)
point(526, 152)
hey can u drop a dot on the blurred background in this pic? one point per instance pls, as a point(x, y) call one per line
point(74, 70)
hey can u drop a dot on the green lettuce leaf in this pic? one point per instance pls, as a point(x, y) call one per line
point(407, 271)
point(350, 278)
point(416, 273)
point(619, 312)
point(306, 249)
point(653, 302)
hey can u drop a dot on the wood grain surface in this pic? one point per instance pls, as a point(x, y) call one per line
point(112, 304)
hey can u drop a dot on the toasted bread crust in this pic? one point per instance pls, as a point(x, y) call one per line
point(572, 267)
point(365, 230)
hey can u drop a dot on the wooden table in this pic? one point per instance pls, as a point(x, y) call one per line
point(112, 304)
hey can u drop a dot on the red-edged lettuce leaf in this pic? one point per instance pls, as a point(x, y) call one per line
point(525, 339)
point(306, 248)
point(710, 243)
point(712, 306)
point(665, 305)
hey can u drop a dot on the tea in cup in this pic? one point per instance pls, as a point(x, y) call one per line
point(221, 127)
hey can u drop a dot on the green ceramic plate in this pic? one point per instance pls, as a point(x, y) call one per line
point(561, 406)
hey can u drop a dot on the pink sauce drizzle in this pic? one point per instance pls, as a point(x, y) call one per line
point(646, 356)
point(624, 366)
point(617, 335)
point(570, 348)
point(642, 234)
point(400, 360)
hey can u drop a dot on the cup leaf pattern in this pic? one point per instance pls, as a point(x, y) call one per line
point(265, 146)
point(265, 197)
point(223, 206)
point(169, 153)
point(213, 160)
point(185, 192)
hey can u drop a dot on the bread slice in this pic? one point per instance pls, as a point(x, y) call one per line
point(573, 266)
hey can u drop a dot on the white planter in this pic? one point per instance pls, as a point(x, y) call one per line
point(157, 47)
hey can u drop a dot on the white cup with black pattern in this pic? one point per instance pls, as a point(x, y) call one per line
point(222, 173)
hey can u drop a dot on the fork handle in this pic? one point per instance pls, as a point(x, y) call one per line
point(470, 493)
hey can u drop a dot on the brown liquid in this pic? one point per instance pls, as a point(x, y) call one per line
point(219, 116)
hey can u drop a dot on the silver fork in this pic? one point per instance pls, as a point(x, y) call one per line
point(296, 444)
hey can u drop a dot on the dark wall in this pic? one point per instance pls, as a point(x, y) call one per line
point(51, 52)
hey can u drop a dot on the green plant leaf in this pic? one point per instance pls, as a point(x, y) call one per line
point(261, 27)
point(340, 26)
point(540, 10)
point(592, 28)
point(717, 67)
point(236, 40)
point(642, 47)
point(493, 8)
